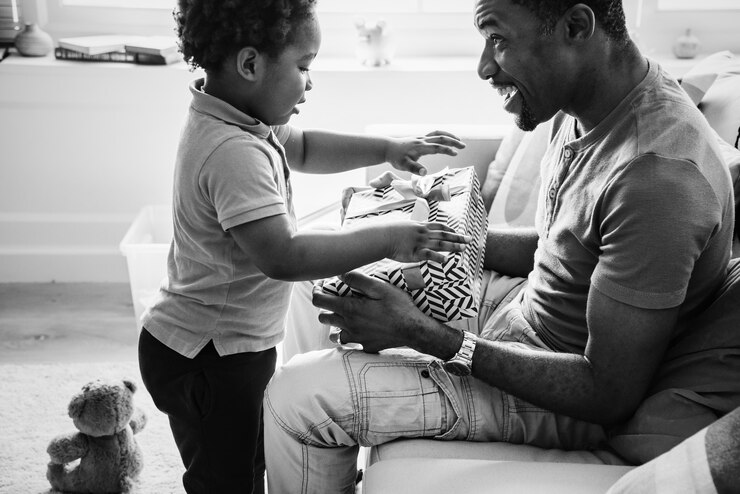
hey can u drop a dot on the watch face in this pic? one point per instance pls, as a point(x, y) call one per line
point(457, 368)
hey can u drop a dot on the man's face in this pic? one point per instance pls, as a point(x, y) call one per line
point(525, 67)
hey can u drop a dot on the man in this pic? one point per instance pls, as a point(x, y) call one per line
point(632, 239)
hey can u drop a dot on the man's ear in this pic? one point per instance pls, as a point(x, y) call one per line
point(247, 61)
point(579, 22)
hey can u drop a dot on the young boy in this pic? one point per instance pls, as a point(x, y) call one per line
point(207, 349)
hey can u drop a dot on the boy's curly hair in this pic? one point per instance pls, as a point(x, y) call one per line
point(212, 30)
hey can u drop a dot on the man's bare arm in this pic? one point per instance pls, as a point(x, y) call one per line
point(605, 385)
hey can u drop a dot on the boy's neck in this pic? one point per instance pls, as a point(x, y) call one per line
point(219, 86)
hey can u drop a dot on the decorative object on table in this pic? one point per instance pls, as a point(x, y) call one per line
point(686, 46)
point(374, 43)
point(446, 291)
point(10, 21)
point(34, 42)
point(110, 459)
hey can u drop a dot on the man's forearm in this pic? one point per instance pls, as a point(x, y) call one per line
point(510, 251)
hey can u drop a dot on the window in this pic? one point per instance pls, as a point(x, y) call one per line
point(346, 6)
point(418, 27)
point(695, 5)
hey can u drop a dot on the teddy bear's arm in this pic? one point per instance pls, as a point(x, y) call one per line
point(138, 420)
point(68, 447)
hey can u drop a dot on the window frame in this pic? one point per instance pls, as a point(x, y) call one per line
point(691, 5)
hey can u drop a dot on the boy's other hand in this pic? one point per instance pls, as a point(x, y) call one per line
point(413, 241)
point(404, 153)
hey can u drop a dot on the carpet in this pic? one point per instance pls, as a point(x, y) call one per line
point(33, 409)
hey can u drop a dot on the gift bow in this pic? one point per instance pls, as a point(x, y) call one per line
point(422, 187)
point(418, 190)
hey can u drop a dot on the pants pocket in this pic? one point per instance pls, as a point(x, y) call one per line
point(398, 399)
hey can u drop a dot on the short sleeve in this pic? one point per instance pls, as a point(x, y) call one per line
point(656, 217)
point(240, 180)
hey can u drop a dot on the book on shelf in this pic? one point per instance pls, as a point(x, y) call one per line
point(153, 45)
point(95, 45)
point(117, 56)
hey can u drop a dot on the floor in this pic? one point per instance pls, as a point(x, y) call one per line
point(65, 322)
point(70, 322)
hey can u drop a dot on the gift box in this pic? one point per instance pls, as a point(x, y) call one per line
point(448, 290)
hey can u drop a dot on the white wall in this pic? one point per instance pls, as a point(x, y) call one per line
point(85, 146)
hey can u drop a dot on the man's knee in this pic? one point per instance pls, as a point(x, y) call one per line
point(299, 389)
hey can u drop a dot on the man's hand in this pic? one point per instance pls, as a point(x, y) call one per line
point(404, 153)
point(382, 317)
point(412, 241)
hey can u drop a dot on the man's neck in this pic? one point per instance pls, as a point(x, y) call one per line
point(606, 82)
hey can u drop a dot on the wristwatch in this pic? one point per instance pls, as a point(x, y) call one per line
point(462, 363)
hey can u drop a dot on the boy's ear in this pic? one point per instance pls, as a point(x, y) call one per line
point(247, 62)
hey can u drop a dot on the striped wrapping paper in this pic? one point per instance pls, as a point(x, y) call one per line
point(445, 291)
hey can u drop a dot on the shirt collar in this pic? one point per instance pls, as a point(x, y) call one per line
point(218, 108)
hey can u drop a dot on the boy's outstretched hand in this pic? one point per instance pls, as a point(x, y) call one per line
point(413, 241)
point(404, 153)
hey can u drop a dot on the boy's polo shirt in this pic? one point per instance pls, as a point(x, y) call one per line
point(230, 169)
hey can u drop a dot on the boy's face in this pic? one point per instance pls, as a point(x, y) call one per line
point(286, 78)
point(528, 68)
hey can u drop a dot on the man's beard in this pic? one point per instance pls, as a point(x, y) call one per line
point(526, 119)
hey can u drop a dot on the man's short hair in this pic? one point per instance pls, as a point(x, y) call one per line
point(212, 30)
point(609, 15)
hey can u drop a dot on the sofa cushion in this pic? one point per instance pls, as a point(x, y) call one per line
point(491, 451)
point(515, 201)
point(446, 476)
point(714, 84)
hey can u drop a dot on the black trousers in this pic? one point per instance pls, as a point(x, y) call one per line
point(214, 405)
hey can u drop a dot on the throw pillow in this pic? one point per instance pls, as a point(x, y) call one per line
point(714, 84)
point(499, 165)
point(515, 202)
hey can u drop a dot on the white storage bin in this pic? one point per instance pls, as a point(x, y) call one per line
point(146, 245)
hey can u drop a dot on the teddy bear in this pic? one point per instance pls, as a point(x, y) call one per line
point(110, 458)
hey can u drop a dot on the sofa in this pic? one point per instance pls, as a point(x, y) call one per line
point(507, 162)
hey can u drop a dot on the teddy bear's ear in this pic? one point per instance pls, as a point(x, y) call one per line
point(76, 405)
point(130, 385)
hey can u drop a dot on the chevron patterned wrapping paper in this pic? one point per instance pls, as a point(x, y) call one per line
point(445, 291)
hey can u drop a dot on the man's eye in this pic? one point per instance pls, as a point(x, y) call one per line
point(495, 39)
point(304, 69)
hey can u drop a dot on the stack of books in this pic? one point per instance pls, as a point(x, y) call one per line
point(147, 50)
point(10, 21)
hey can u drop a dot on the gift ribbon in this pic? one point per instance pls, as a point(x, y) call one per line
point(354, 204)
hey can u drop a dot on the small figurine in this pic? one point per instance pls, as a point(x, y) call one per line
point(374, 47)
point(686, 46)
